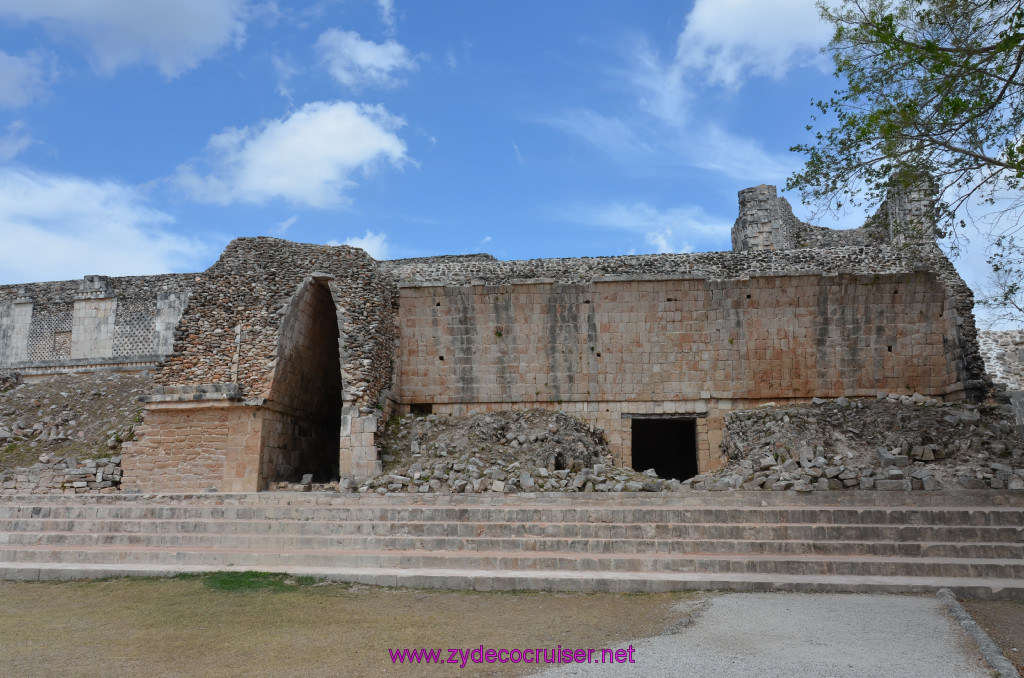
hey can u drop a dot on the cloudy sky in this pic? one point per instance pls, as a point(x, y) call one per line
point(140, 137)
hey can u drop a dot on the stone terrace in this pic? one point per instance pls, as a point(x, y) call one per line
point(970, 542)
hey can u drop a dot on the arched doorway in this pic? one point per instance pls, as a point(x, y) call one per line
point(302, 427)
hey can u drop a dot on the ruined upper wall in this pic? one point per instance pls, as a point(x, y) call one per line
point(903, 227)
point(97, 321)
point(768, 240)
point(706, 265)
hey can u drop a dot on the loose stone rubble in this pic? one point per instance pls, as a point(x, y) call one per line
point(518, 451)
point(8, 380)
point(80, 416)
point(891, 443)
point(64, 475)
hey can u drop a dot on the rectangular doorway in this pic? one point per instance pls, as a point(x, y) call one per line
point(668, 445)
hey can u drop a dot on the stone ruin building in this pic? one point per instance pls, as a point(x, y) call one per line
point(284, 359)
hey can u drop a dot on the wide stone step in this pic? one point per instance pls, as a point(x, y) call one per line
point(587, 582)
point(763, 564)
point(835, 499)
point(467, 530)
point(972, 542)
point(959, 516)
point(515, 545)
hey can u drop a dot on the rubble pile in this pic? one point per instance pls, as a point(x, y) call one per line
point(524, 451)
point(81, 416)
point(64, 475)
point(893, 442)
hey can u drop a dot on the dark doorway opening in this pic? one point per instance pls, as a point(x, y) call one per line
point(669, 446)
point(304, 434)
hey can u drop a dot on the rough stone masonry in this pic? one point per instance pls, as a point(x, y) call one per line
point(284, 360)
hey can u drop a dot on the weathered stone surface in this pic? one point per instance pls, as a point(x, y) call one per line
point(600, 338)
point(62, 475)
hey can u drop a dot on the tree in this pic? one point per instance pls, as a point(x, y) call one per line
point(932, 88)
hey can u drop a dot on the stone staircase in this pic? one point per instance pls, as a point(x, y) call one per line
point(969, 541)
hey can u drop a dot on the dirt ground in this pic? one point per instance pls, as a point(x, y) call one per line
point(1003, 621)
point(183, 628)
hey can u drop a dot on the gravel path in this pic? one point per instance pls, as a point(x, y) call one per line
point(790, 635)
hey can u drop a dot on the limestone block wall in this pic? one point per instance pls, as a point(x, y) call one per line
point(614, 348)
point(194, 447)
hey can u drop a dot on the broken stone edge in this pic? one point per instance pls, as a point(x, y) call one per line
point(993, 656)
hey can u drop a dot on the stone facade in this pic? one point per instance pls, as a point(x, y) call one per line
point(287, 359)
point(611, 349)
point(95, 323)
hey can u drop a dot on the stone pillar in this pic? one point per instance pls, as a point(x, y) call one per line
point(92, 324)
point(15, 323)
point(169, 307)
point(358, 447)
point(910, 213)
point(760, 225)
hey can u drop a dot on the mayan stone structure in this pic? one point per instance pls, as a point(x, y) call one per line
point(284, 359)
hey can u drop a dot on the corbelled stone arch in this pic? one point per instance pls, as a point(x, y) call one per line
point(302, 419)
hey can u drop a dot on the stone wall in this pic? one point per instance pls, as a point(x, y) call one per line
point(611, 349)
point(1003, 351)
point(193, 448)
point(89, 324)
point(64, 475)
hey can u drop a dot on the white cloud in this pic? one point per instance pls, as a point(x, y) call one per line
point(16, 140)
point(285, 71)
point(374, 244)
point(83, 227)
point(355, 62)
point(283, 226)
point(677, 229)
point(24, 79)
point(307, 158)
point(175, 35)
point(735, 156)
point(387, 13)
point(663, 91)
point(723, 43)
point(610, 134)
point(730, 40)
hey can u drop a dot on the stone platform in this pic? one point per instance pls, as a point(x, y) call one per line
point(969, 541)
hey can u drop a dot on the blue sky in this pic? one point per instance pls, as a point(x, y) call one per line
point(141, 137)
